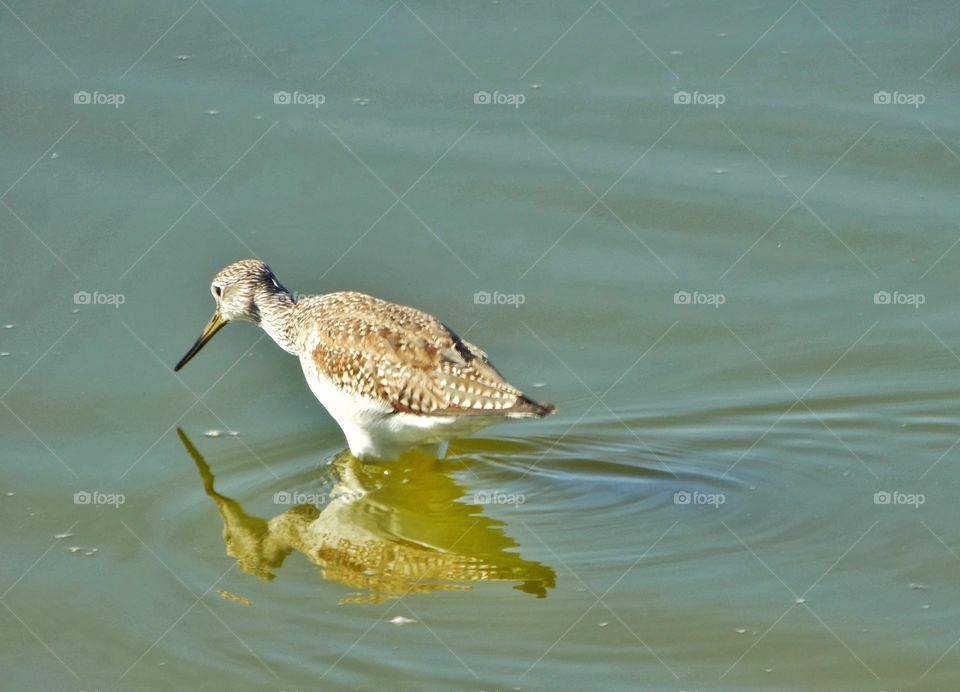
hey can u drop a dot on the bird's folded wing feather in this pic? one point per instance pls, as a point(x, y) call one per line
point(407, 359)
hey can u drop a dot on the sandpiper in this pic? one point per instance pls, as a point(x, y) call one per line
point(392, 377)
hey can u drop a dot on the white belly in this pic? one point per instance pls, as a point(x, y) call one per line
point(374, 431)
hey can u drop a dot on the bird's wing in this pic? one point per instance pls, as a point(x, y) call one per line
point(408, 360)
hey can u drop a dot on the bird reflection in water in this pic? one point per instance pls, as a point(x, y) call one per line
point(384, 535)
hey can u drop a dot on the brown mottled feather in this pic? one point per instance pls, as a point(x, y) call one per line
point(405, 358)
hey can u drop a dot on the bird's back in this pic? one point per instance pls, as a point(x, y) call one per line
point(403, 357)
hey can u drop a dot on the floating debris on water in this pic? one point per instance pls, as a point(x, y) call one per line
point(226, 595)
point(536, 86)
point(676, 52)
point(400, 620)
point(538, 385)
point(183, 57)
point(10, 494)
point(741, 630)
point(60, 536)
point(54, 155)
point(360, 100)
point(75, 549)
point(800, 599)
point(5, 354)
point(604, 624)
point(719, 171)
point(8, 326)
point(220, 433)
point(915, 586)
point(213, 112)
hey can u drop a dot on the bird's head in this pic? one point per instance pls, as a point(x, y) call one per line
point(236, 288)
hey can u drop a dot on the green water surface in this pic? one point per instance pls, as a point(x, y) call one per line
point(721, 237)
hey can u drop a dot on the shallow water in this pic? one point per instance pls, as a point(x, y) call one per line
point(750, 483)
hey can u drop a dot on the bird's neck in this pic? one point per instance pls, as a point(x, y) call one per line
point(276, 306)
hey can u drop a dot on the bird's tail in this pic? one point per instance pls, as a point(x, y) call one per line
point(528, 408)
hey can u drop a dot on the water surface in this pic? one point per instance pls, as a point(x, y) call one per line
point(745, 311)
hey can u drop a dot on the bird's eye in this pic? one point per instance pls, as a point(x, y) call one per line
point(217, 290)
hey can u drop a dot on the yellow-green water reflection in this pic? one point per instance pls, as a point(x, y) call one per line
point(384, 535)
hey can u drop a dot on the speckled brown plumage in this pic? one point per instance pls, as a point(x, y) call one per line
point(404, 357)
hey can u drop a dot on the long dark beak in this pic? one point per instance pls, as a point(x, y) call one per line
point(215, 324)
